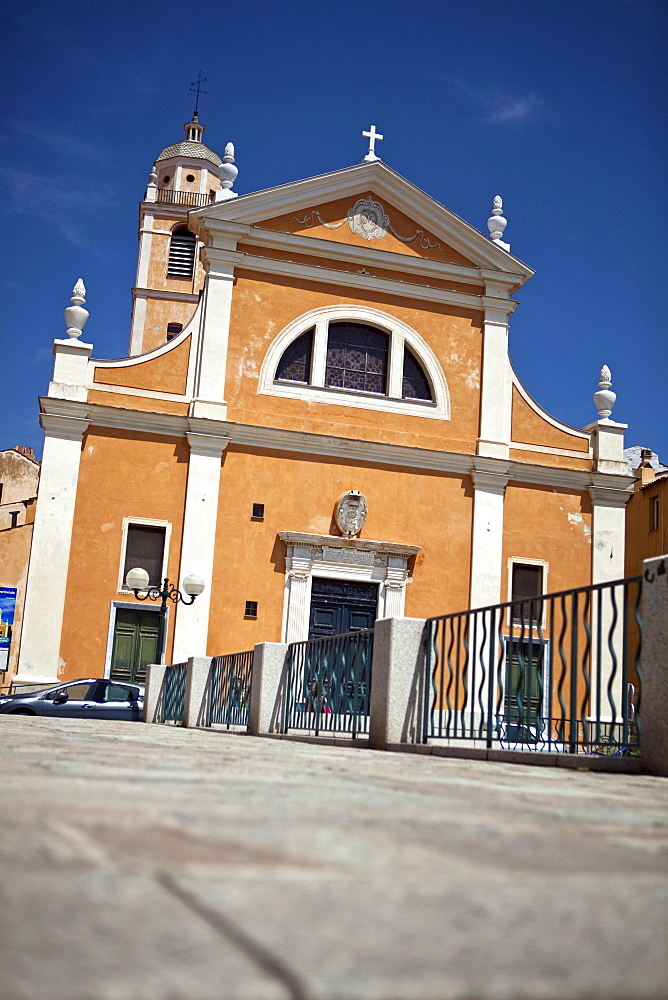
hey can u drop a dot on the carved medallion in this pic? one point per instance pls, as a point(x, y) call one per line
point(351, 511)
point(367, 219)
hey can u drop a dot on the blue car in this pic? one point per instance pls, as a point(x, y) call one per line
point(88, 698)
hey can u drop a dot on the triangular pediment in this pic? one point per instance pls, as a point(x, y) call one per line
point(371, 206)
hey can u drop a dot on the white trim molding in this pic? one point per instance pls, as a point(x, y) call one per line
point(337, 558)
point(400, 335)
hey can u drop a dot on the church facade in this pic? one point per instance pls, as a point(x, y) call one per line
point(317, 415)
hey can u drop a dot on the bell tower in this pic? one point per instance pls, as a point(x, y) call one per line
point(186, 175)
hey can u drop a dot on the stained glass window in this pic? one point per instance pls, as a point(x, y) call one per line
point(356, 358)
point(414, 384)
point(295, 365)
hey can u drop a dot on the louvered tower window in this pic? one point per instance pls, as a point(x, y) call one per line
point(181, 254)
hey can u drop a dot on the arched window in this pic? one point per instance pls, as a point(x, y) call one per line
point(356, 356)
point(357, 360)
point(181, 254)
point(295, 364)
point(414, 384)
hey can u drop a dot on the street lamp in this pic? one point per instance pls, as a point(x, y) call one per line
point(138, 579)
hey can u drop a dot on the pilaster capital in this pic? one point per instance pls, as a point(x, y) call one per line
point(207, 445)
point(65, 428)
point(490, 476)
point(607, 496)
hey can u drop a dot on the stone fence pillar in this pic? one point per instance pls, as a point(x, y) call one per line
point(267, 687)
point(153, 689)
point(654, 689)
point(198, 669)
point(397, 686)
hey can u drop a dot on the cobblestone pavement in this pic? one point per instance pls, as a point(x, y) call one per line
point(158, 863)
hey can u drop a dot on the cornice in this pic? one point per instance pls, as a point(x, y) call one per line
point(366, 256)
point(302, 442)
point(389, 286)
point(303, 538)
point(161, 293)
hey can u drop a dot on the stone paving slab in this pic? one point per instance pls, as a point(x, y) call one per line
point(156, 863)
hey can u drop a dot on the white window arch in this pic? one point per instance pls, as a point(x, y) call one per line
point(403, 342)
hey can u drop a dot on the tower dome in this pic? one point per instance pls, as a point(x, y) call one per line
point(192, 145)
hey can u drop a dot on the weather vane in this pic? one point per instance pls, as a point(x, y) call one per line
point(198, 89)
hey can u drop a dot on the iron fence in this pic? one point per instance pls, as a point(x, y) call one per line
point(175, 691)
point(230, 689)
point(329, 683)
point(167, 196)
point(560, 672)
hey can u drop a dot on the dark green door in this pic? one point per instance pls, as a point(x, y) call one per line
point(135, 645)
point(524, 688)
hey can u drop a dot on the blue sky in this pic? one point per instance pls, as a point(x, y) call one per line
point(558, 106)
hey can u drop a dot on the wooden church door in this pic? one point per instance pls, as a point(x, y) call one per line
point(135, 644)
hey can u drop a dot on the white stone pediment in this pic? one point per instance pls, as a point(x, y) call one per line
point(353, 182)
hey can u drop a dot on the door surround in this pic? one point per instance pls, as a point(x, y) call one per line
point(338, 558)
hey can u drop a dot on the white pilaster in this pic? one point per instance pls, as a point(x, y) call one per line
point(198, 543)
point(488, 498)
point(298, 604)
point(608, 533)
point(70, 368)
point(215, 330)
point(39, 658)
point(496, 383)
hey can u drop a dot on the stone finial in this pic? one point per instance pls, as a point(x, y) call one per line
point(605, 398)
point(228, 173)
point(497, 224)
point(75, 315)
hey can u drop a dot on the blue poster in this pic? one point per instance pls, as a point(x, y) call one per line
point(7, 606)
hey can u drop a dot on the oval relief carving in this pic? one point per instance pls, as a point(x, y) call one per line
point(351, 512)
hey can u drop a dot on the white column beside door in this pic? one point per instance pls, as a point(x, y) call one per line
point(198, 544)
point(39, 658)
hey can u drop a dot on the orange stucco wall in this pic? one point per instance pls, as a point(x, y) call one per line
point(122, 474)
point(299, 493)
point(643, 541)
point(537, 525)
point(148, 404)
point(528, 427)
point(305, 223)
point(261, 307)
point(166, 373)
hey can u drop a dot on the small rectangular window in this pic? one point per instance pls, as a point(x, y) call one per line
point(654, 513)
point(251, 609)
point(145, 548)
point(172, 330)
point(527, 582)
point(258, 510)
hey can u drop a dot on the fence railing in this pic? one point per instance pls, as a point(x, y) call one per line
point(329, 683)
point(169, 197)
point(230, 689)
point(559, 672)
point(175, 690)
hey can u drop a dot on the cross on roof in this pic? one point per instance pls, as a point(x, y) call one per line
point(198, 89)
point(372, 135)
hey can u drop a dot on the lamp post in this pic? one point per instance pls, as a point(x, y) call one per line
point(138, 579)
